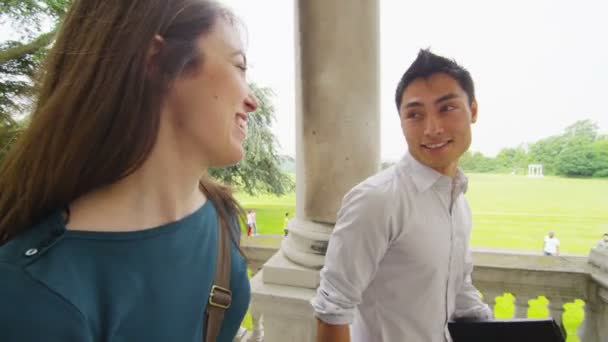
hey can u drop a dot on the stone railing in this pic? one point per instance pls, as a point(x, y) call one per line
point(560, 279)
point(257, 256)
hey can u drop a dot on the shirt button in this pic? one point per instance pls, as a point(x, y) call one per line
point(31, 251)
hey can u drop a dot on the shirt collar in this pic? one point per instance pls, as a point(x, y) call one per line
point(425, 177)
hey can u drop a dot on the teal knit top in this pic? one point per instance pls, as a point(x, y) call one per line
point(59, 285)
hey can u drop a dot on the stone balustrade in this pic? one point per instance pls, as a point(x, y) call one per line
point(526, 276)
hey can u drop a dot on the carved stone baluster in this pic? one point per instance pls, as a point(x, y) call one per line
point(489, 296)
point(556, 308)
point(257, 333)
point(588, 330)
point(522, 304)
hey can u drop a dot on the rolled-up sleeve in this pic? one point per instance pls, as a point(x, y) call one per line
point(356, 247)
point(469, 305)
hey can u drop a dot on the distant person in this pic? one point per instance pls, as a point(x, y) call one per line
point(603, 242)
point(255, 223)
point(551, 246)
point(285, 222)
point(249, 222)
point(252, 228)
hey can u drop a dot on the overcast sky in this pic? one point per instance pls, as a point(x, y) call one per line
point(538, 65)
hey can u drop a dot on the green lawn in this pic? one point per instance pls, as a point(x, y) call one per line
point(509, 212)
point(270, 211)
point(513, 212)
point(516, 212)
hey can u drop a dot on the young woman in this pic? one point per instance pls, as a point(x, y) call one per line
point(108, 224)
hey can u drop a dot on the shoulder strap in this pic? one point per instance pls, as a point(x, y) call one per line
point(220, 297)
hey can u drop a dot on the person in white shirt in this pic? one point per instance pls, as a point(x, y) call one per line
point(551, 245)
point(250, 220)
point(398, 265)
point(603, 243)
point(252, 227)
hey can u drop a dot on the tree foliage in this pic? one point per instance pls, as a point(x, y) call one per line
point(580, 151)
point(33, 23)
point(260, 170)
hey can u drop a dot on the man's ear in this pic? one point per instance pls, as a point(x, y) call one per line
point(474, 111)
point(153, 56)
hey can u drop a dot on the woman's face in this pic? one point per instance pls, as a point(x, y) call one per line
point(208, 106)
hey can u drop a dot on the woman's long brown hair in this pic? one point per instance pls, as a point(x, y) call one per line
point(97, 114)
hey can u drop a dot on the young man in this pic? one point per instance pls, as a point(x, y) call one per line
point(551, 245)
point(398, 265)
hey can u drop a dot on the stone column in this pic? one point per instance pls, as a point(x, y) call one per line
point(337, 146)
point(338, 116)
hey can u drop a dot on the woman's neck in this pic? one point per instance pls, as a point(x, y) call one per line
point(165, 188)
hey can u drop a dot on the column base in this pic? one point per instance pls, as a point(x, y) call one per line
point(307, 242)
point(279, 270)
point(286, 310)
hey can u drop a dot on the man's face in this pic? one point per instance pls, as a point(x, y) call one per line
point(606, 238)
point(436, 120)
point(550, 234)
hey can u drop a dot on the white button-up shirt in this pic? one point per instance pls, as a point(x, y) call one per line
point(551, 244)
point(398, 265)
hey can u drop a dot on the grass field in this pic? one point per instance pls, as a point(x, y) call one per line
point(509, 212)
point(516, 212)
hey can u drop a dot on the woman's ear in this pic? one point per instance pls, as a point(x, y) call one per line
point(153, 56)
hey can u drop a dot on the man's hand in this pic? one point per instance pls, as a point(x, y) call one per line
point(332, 333)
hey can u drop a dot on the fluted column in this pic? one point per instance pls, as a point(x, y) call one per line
point(338, 116)
point(337, 146)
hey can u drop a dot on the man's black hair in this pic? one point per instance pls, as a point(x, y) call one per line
point(427, 64)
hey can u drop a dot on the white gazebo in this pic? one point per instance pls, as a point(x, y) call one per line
point(535, 170)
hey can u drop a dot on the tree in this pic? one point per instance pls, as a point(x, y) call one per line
point(33, 28)
point(260, 170)
point(600, 151)
point(34, 24)
point(9, 130)
point(512, 159)
point(546, 151)
point(578, 152)
point(576, 159)
point(584, 130)
point(476, 162)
